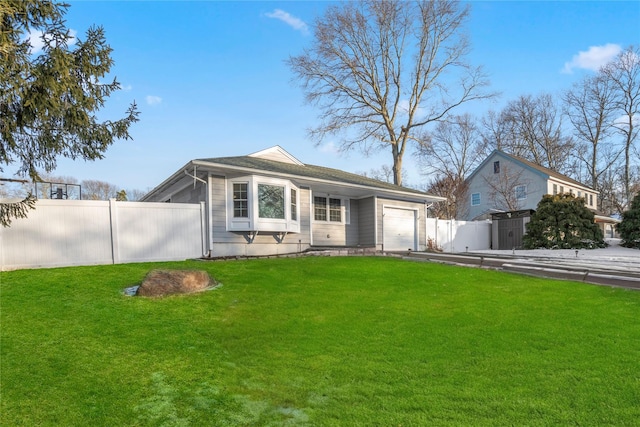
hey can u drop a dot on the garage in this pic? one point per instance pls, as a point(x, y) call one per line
point(399, 229)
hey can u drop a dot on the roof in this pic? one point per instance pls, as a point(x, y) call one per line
point(307, 171)
point(549, 173)
point(277, 162)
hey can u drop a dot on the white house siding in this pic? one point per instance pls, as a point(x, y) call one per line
point(515, 175)
point(327, 233)
point(590, 196)
point(191, 194)
point(367, 221)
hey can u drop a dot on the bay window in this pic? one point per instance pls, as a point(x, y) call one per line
point(256, 203)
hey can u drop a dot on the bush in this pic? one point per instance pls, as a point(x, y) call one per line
point(629, 227)
point(563, 221)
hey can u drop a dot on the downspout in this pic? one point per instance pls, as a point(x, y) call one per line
point(311, 217)
point(207, 251)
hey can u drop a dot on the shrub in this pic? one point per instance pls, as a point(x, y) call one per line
point(563, 221)
point(629, 227)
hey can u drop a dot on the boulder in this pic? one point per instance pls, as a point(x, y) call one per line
point(168, 282)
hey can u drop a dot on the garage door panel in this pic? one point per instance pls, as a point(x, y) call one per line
point(399, 229)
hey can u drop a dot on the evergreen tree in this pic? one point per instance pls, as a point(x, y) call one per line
point(629, 227)
point(50, 96)
point(563, 222)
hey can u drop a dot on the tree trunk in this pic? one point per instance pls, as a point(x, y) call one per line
point(397, 165)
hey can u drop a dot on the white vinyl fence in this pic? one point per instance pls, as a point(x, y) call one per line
point(458, 236)
point(85, 232)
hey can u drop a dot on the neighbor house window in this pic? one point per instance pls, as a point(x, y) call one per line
point(327, 209)
point(561, 189)
point(496, 167)
point(475, 199)
point(590, 199)
point(270, 201)
point(240, 201)
point(555, 189)
point(521, 192)
point(294, 205)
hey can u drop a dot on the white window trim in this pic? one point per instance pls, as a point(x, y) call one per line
point(345, 209)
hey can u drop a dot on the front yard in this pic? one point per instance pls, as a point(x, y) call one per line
point(320, 342)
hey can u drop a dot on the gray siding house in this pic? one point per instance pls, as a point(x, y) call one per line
point(505, 183)
point(269, 203)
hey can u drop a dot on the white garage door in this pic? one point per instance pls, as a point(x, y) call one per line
point(399, 229)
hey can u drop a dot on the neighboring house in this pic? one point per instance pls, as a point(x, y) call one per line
point(508, 188)
point(506, 183)
point(271, 203)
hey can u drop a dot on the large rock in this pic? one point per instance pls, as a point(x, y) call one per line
point(167, 282)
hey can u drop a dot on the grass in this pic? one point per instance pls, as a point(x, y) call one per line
point(319, 342)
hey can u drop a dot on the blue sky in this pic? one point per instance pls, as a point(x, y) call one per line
point(210, 78)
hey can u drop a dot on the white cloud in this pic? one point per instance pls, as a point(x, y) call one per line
point(126, 88)
point(330, 148)
point(153, 100)
point(295, 23)
point(35, 39)
point(592, 59)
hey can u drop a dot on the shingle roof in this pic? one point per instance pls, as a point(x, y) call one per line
point(544, 170)
point(308, 171)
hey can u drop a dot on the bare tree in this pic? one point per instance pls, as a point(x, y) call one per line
point(531, 128)
point(455, 189)
point(98, 190)
point(503, 188)
point(384, 173)
point(136, 194)
point(454, 148)
point(378, 72)
point(624, 75)
point(591, 109)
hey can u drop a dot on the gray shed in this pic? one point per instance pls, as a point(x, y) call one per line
point(508, 228)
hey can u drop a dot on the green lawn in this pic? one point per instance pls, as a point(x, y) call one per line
point(319, 341)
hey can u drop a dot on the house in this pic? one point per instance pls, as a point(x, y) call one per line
point(505, 183)
point(508, 188)
point(269, 202)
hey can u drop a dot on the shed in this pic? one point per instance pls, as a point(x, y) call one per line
point(508, 228)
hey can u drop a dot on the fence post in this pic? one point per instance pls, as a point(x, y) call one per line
point(113, 216)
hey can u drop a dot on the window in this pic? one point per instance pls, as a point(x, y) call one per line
point(270, 201)
point(579, 193)
point(521, 192)
point(320, 208)
point(555, 189)
point(496, 167)
point(240, 202)
point(258, 203)
point(590, 199)
point(561, 189)
point(335, 214)
point(294, 205)
point(327, 209)
point(475, 199)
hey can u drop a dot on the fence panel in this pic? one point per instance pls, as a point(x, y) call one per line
point(158, 231)
point(458, 236)
point(85, 232)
